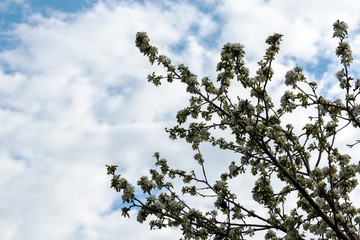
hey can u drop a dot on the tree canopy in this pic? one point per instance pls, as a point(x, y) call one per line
point(305, 163)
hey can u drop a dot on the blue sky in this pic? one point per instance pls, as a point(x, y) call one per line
point(74, 97)
point(15, 12)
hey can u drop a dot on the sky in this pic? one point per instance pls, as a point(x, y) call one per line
point(74, 97)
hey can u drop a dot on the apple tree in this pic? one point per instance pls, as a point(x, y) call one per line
point(307, 163)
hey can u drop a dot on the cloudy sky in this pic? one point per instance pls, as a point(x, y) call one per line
point(74, 96)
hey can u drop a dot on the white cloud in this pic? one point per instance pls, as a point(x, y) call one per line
point(74, 97)
point(78, 99)
point(306, 25)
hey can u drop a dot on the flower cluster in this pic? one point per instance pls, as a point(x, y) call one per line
point(294, 76)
